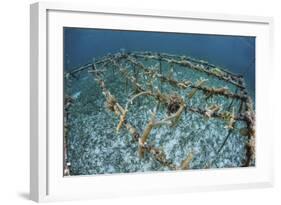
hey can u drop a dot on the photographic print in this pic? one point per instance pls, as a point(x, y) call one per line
point(143, 101)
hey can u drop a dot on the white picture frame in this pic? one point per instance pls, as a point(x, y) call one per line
point(46, 178)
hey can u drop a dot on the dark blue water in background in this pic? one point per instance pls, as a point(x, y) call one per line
point(235, 53)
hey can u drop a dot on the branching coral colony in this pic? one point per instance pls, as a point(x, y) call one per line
point(131, 65)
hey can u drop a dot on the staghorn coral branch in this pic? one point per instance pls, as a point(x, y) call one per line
point(146, 133)
point(152, 123)
point(219, 91)
point(162, 122)
point(231, 120)
point(197, 85)
point(174, 118)
point(122, 120)
point(219, 115)
point(130, 101)
point(124, 72)
point(160, 156)
point(120, 108)
point(209, 112)
point(185, 164)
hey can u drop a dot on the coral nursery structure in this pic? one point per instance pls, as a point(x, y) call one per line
point(145, 111)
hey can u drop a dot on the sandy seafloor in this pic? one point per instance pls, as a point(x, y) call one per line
point(94, 147)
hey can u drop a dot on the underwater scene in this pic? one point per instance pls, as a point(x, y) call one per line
point(142, 101)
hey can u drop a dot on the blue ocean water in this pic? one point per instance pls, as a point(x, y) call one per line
point(94, 147)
